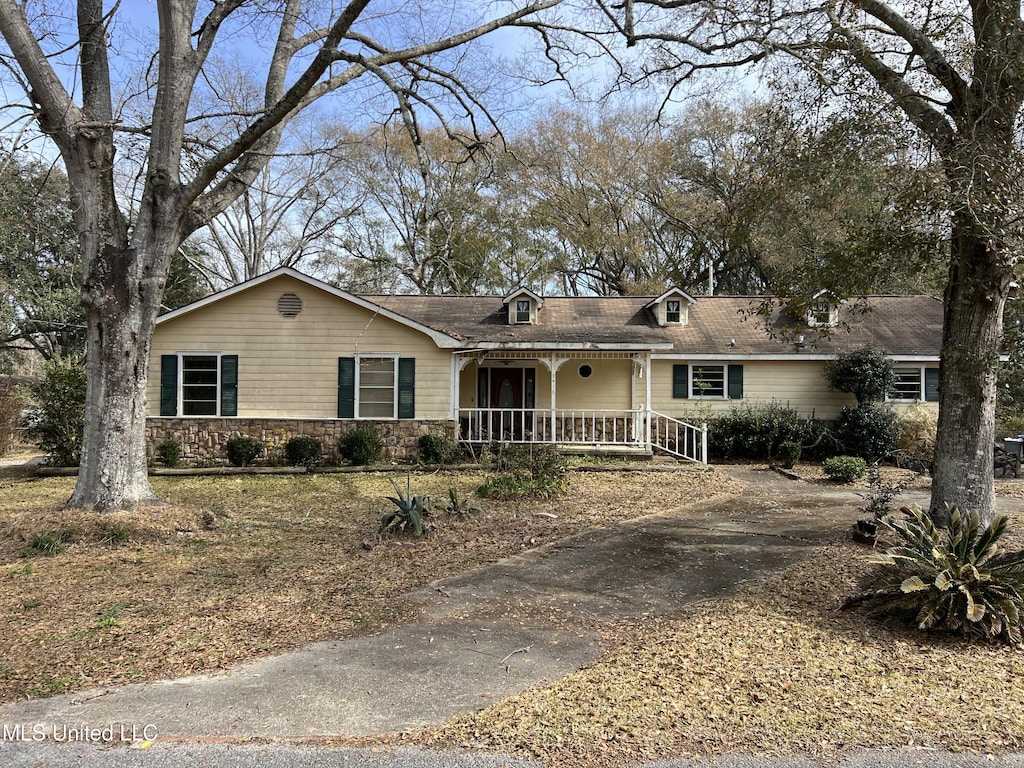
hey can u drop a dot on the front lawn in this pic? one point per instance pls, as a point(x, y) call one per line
point(243, 566)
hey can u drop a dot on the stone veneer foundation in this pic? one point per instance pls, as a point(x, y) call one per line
point(203, 441)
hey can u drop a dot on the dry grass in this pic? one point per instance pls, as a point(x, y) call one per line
point(239, 567)
point(778, 670)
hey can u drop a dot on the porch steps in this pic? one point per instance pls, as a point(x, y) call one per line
point(611, 451)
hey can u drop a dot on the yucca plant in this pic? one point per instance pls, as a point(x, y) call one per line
point(410, 513)
point(953, 580)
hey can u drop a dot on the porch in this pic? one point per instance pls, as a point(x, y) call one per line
point(576, 398)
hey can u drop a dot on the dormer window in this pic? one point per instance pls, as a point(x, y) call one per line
point(522, 310)
point(672, 307)
point(523, 306)
point(823, 311)
point(673, 312)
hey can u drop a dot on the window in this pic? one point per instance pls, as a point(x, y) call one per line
point(198, 384)
point(708, 381)
point(822, 313)
point(522, 310)
point(376, 388)
point(908, 384)
point(916, 383)
point(711, 381)
point(673, 312)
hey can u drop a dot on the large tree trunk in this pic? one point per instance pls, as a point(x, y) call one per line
point(974, 301)
point(122, 284)
point(984, 189)
point(113, 472)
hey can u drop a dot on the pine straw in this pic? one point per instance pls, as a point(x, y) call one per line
point(239, 567)
point(777, 670)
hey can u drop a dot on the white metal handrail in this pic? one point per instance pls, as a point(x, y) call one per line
point(679, 438)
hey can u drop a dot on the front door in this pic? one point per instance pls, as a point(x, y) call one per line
point(508, 393)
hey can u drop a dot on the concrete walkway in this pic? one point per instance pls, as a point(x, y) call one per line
point(485, 635)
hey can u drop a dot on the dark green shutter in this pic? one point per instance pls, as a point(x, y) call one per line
point(931, 385)
point(229, 385)
point(735, 382)
point(346, 387)
point(680, 381)
point(168, 385)
point(407, 388)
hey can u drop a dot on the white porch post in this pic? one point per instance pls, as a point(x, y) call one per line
point(553, 367)
point(647, 406)
point(453, 393)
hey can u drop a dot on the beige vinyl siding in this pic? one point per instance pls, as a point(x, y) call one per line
point(795, 383)
point(608, 387)
point(288, 367)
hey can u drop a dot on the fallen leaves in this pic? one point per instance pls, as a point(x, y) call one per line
point(242, 566)
point(777, 670)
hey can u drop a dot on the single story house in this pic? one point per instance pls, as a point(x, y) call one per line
point(286, 354)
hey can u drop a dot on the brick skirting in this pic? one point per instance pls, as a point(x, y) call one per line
point(203, 441)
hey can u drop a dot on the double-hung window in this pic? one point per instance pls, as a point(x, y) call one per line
point(915, 383)
point(673, 312)
point(523, 311)
point(377, 386)
point(908, 384)
point(378, 395)
point(708, 381)
point(198, 384)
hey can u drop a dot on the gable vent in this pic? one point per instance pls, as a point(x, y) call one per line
point(289, 305)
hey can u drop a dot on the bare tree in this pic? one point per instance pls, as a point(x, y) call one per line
point(434, 215)
point(953, 69)
point(199, 152)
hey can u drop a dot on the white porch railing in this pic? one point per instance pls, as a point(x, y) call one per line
point(569, 426)
point(679, 438)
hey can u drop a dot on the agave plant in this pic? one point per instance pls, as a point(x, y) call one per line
point(410, 513)
point(454, 505)
point(954, 580)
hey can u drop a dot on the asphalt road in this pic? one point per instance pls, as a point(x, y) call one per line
point(191, 755)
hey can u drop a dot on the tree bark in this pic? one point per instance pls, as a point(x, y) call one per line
point(972, 330)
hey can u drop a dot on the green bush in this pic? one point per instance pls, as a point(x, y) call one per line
point(435, 448)
point(537, 471)
point(242, 451)
point(789, 453)
point(58, 424)
point(845, 469)
point(758, 431)
point(302, 451)
point(952, 580)
point(868, 431)
point(880, 494)
point(361, 446)
point(169, 452)
point(865, 373)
